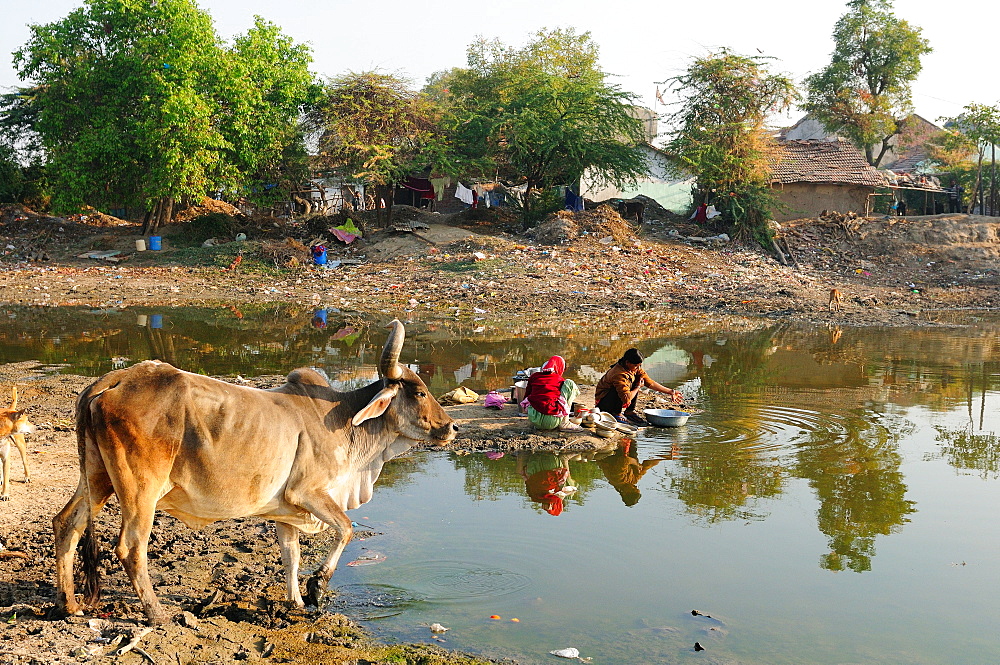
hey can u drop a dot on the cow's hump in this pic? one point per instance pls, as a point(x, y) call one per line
point(307, 376)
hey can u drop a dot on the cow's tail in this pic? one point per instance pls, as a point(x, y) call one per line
point(90, 554)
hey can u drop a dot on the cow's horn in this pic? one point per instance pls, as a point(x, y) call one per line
point(388, 367)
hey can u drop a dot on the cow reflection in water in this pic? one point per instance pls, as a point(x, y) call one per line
point(204, 450)
point(623, 470)
point(546, 479)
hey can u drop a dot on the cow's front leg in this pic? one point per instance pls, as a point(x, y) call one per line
point(288, 541)
point(326, 509)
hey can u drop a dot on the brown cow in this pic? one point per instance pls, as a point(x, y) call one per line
point(204, 450)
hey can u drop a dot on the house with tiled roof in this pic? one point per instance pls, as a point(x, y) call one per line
point(812, 175)
point(906, 153)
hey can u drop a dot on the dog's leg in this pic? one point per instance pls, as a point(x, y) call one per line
point(22, 448)
point(5, 459)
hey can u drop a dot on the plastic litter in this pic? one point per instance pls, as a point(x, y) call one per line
point(367, 559)
point(437, 628)
point(494, 400)
point(568, 652)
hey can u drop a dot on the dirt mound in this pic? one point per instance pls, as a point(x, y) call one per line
point(936, 244)
point(602, 222)
point(92, 217)
point(207, 206)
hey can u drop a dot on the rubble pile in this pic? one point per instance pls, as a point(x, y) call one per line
point(602, 222)
point(285, 254)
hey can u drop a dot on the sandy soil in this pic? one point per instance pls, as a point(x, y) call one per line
point(891, 272)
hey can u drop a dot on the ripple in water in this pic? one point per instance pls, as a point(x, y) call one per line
point(758, 427)
point(450, 581)
point(366, 602)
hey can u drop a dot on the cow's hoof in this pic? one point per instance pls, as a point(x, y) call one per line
point(157, 619)
point(315, 588)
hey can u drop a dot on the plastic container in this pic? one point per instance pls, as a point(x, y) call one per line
point(155, 320)
point(319, 255)
point(140, 245)
point(154, 243)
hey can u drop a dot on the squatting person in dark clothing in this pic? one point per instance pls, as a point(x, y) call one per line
point(618, 389)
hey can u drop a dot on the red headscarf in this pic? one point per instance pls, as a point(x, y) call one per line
point(555, 364)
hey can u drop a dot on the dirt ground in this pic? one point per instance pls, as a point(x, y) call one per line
point(891, 271)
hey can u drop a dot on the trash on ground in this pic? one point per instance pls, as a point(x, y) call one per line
point(367, 559)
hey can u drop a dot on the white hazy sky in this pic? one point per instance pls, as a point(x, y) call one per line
point(642, 41)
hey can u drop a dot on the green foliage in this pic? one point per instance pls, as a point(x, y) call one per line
point(211, 225)
point(543, 203)
point(140, 102)
point(544, 113)
point(949, 147)
point(864, 93)
point(720, 136)
point(377, 130)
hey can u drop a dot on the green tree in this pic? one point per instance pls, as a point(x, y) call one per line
point(719, 134)
point(544, 114)
point(141, 104)
point(374, 128)
point(864, 93)
point(949, 147)
point(981, 125)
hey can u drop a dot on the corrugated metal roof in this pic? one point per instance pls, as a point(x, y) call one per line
point(836, 162)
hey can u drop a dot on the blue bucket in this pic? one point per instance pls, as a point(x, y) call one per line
point(154, 242)
point(155, 320)
point(319, 255)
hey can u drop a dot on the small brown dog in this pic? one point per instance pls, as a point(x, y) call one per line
point(836, 300)
point(13, 426)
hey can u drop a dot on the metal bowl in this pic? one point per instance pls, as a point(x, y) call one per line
point(666, 417)
point(604, 433)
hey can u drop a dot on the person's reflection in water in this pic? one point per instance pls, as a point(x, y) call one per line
point(623, 470)
point(546, 479)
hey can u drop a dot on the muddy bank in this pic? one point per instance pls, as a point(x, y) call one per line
point(888, 270)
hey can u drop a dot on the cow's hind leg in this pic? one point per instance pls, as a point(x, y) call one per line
point(68, 525)
point(325, 508)
point(288, 541)
point(138, 494)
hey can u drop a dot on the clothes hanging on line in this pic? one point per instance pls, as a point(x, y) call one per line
point(439, 185)
point(463, 193)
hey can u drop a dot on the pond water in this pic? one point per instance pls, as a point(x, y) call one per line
point(833, 501)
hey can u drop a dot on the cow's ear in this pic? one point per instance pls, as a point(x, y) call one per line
point(377, 406)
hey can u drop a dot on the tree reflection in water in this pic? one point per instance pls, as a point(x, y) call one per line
point(967, 451)
point(855, 472)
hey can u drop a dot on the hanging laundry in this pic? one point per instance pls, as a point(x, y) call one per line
point(439, 185)
point(573, 202)
point(463, 193)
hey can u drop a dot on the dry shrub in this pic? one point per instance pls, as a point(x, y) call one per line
point(287, 254)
